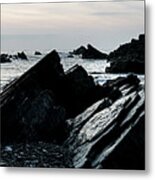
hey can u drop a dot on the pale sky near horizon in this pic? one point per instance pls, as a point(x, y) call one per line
point(69, 25)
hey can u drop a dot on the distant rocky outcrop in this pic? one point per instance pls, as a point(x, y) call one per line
point(37, 53)
point(93, 53)
point(22, 55)
point(129, 57)
point(79, 50)
point(89, 53)
point(4, 58)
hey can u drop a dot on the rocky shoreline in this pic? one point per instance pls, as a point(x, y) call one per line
point(6, 58)
point(129, 57)
point(52, 118)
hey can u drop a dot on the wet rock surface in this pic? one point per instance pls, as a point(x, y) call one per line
point(101, 128)
point(64, 119)
point(39, 154)
point(128, 57)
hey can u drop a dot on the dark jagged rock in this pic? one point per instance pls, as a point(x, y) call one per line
point(109, 134)
point(43, 95)
point(129, 57)
point(4, 58)
point(125, 67)
point(43, 117)
point(31, 102)
point(80, 91)
point(89, 53)
point(22, 55)
point(37, 53)
point(79, 50)
point(93, 53)
point(102, 136)
point(78, 85)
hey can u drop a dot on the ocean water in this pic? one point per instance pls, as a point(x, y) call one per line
point(96, 68)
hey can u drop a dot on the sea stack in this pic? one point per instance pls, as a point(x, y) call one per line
point(90, 52)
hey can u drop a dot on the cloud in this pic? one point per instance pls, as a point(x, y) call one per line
point(111, 13)
point(101, 22)
point(67, 14)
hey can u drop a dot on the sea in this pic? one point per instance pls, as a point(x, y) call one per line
point(95, 68)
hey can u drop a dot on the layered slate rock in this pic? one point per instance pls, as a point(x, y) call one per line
point(4, 58)
point(130, 152)
point(108, 134)
point(89, 53)
point(128, 57)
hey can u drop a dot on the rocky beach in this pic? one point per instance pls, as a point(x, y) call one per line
point(75, 118)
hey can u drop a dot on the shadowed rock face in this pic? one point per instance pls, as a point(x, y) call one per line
point(42, 98)
point(129, 57)
point(109, 134)
point(77, 86)
point(29, 102)
point(130, 153)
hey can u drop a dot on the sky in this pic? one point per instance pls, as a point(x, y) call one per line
point(66, 26)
